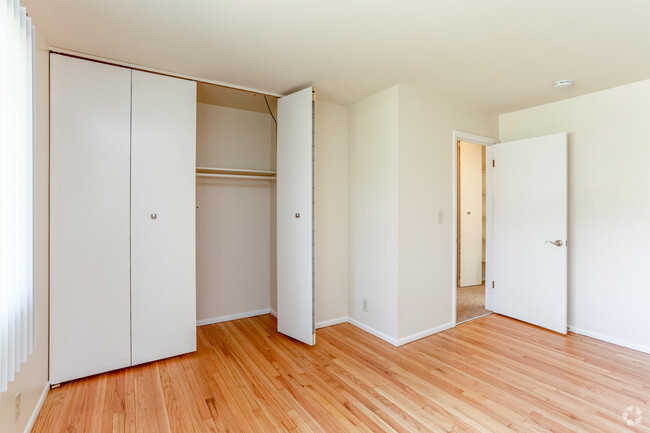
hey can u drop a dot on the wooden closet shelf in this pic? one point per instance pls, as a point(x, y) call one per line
point(235, 173)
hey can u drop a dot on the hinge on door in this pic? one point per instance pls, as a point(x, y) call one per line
point(492, 163)
point(493, 284)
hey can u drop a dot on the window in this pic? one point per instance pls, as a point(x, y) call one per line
point(16, 189)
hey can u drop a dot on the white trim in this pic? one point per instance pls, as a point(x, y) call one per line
point(159, 71)
point(425, 333)
point(373, 331)
point(273, 312)
point(228, 317)
point(473, 138)
point(37, 409)
point(608, 339)
point(483, 141)
point(331, 322)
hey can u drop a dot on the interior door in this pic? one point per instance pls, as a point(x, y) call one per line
point(90, 125)
point(471, 214)
point(295, 258)
point(529, 224)
point(163, 214)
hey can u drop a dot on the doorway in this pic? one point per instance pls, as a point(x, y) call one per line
point(470, 227)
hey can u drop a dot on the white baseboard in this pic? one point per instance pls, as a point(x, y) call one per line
point(608, 339)
point(424, 333)
point(338, 320)
point(331, 322)
point(228, 317)
point(37, 409)
point(273, 312)
point(373, 331)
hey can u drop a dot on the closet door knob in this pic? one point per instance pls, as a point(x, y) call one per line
point(154, 216)
point(297, 215)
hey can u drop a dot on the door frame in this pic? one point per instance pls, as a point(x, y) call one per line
point(483, 141)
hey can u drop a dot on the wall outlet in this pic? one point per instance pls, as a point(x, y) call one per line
point(17, 403)
point(364, 304)
point(441, 216)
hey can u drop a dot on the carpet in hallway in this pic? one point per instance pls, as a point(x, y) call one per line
point(470, 303)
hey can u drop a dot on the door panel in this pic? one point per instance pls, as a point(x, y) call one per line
point(163, 275)
point(530, 208)
point(295, 216)
point(90, 325)
point(471, 214)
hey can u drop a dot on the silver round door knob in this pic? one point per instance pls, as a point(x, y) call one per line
point(154, 216)
point(297, 215)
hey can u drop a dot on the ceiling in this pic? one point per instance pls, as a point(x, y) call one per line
point(496, 55)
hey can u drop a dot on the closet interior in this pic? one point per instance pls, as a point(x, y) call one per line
point(236, 143)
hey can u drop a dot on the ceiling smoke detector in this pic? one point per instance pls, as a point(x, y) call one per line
point(563, 84)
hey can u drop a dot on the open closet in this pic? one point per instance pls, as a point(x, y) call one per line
point(236, 142)
point(254, 233)
point(166, 212)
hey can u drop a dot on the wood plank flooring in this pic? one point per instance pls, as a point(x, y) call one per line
point(492, 374)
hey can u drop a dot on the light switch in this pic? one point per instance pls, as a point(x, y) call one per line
point(440, 216)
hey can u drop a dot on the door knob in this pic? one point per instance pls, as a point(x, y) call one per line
point(154, 216)
point(557, 243)
point(297, 215)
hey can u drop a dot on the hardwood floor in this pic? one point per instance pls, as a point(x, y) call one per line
point(489, 375)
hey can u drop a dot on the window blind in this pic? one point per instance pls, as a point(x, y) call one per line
point(16, 189)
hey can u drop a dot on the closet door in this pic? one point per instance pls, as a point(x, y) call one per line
point(90, 325)
point(295, 224)
point(163, 163)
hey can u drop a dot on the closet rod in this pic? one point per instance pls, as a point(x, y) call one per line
point(236, 176)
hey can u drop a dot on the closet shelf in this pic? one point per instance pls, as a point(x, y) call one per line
point(235, 173)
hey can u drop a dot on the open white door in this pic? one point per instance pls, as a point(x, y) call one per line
point(295, 224)
point(529, 230)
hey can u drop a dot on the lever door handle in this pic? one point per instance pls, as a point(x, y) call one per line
point(557, 243)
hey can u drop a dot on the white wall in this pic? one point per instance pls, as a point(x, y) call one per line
point(32, 380)
point(235, 245)
point(609, 180)
point(400, 174)
point(233, 138)
point(331, 211)
point(426, 124)
point(233, 267)
point(372, 211)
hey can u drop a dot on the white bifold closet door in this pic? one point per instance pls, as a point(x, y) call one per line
point(295, 224)
point(122, 217)
point(90, 127)
point(163, 214)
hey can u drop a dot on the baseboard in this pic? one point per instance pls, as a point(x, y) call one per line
point(228, 317)
point(331, 322)
point(608, 339)
point(387, 338)
point(425, 333)
point(373, 331)
point(37, 409)
point(273, 312)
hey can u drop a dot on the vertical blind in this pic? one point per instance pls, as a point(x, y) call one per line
point(16, 189)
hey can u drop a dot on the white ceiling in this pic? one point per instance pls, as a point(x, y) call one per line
point(497, 55)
